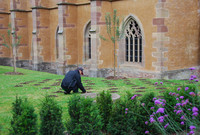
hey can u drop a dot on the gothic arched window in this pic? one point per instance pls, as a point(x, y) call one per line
point(133, 42)
point(87, 45)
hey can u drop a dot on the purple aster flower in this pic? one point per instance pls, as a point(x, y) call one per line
point(191, 79)
point(192, 94)
point(152, 108)
point(195, 109)
point(160, 110)
point(189, 109)
point(181, 97)
point(146, 132)
point(154, 99)
point(126, 109)
point(157, 102)
point(177, 95)
point(146, 122)
point(195, 114)
point(177, 98)
point(143, 104)
point(186, 88)
point(125, 112)
point(175, 110)
point(161, 83)
point(192, 68)
point(182, 123)
point(151, 115)
point(178, 89)
point(151, 120)
point(192, 127)
point(173, 93)
point(166, 125)
point(196, 80)
point(165, 115)
point(179, 111)
point(182, 117)
point(193, 76)
point(133, 97)
point(156, 83)
point(170, 93)
point(161, 119)
point(178, 104)
point(164, 100)
point(191, 132)
point(163, 104)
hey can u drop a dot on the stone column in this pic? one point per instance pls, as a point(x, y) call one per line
point(34, 38)
point(13, 28)
point(95, 13)
point(61, 44)
point(161, 39)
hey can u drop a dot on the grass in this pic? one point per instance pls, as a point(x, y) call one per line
point(35, 85)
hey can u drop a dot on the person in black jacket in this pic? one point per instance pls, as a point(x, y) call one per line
point(72, 81)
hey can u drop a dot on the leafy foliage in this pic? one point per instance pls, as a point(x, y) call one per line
point(24, 118)
point(123, 116)
point(104, 103)
point(51, 117)
point(84, 116)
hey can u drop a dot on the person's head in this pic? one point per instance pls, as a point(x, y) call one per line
point(80, 69)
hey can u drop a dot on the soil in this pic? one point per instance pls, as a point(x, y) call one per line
point(140, 91)
point(14, 73)
point(91, 83)
point(141, 88)
point(59, 91)
point(161, 88)
point(18, 85)
point(138, 95)
point(161, 91)
point(46, 88)
point(36, 84)
point(56, 84)
point(115, 78)
point(113, 91)
point(46, 80)
point(53, 96)
point(160, 96)
point(27, 82)
point(41, 82)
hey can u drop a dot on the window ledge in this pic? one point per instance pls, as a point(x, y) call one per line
point(131, 65)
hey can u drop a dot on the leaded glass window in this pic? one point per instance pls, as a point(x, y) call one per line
point(133, 42)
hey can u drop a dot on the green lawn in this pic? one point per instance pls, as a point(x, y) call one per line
point(35, 85)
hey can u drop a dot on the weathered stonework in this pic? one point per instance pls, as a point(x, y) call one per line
point(160, 36)
point(53, 33)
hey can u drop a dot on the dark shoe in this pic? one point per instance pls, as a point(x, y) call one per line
point(66, 92)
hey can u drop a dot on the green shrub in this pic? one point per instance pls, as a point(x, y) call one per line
point(51, 117)
point(123, 116)
point(24, 118)
point(104, 103)
point(84, 116)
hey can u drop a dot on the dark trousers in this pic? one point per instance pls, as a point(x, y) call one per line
point(68, 90)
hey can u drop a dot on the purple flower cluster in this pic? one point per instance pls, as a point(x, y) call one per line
point(183, 108)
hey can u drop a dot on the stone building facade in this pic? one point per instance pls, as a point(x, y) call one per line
point(161, 37)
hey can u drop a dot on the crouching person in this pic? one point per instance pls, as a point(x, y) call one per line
point(72, 81)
